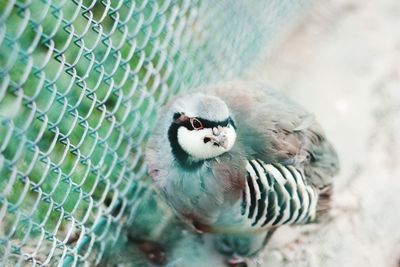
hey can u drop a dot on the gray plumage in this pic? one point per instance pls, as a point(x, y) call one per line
point(278, 149)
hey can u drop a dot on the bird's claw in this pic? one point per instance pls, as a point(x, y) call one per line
point(236, 261)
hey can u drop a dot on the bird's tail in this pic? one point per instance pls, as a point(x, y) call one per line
point(324, 164)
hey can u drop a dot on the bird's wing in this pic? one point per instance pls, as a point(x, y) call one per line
point(273, 129)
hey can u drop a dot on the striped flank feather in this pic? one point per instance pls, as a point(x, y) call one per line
point(276, 194)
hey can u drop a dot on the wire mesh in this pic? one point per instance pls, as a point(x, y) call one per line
point(80, 85)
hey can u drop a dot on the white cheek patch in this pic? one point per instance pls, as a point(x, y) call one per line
point(192, 142)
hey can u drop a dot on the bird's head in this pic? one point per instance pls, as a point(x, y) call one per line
point(201, 128)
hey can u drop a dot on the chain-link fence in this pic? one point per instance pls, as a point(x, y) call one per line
point(80, 84)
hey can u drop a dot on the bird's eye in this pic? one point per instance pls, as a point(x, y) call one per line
point(196, 124)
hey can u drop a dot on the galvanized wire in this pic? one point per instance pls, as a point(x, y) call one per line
point(80, 85)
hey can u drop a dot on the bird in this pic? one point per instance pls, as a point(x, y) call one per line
point(238, 159)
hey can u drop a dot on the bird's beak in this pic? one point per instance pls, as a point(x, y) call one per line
point(220, 137)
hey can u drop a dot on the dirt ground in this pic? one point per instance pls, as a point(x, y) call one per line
point(342, 61)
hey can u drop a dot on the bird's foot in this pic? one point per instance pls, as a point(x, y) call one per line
point(153, 252)
point(236, 261)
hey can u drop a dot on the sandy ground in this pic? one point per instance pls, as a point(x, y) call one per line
point(342, 61)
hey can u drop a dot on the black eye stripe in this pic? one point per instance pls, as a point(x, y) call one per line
point(211, 124)
point(206, 123)
point(177, 115)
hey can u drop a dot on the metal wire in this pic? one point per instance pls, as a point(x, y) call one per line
point(80, 85)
